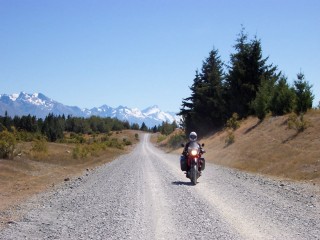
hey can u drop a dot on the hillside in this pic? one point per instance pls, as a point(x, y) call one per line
point(270, 147)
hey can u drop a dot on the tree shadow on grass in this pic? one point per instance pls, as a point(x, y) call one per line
point(291, 137)
point(253, 127)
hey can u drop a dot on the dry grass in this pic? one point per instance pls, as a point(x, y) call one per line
point(270, 147)
point(31, 172)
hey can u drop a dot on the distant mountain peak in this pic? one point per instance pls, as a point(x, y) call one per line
point(14, 96)
point(39, 105)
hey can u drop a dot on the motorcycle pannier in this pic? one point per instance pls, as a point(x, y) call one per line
point(203, 163)
point(183, 163)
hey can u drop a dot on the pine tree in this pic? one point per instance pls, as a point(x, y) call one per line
point(7, 121)
point(283, 98)
point(267, 98)
point(144, 127)
point(212, 92)
point(261, 103)
point(246, 72)
point(205, 109)
point(304, 94)
point(135, 126)
point(188, 106)
point(155, 129)
point(53, 127)
point(237, 76)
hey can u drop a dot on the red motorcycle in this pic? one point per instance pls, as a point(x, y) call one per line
point(193, 163)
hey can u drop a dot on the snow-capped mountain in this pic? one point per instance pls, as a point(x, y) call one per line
point(37, 104)
point(155, 113)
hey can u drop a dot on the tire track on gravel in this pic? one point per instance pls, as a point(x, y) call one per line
point(158, 207)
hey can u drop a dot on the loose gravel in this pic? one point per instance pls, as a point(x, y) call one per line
point(144, 195)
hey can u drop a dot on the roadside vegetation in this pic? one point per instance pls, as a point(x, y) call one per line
point(251, 117)
point(247, 86)
point(173, 140)
point(88, 135)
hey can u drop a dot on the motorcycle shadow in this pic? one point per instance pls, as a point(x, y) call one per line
point(178, 183)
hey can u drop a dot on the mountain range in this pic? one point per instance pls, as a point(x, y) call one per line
point(39, 105)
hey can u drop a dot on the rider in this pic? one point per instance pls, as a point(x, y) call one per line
point(193, 138)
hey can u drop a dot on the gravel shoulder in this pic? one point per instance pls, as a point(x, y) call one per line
point(144, 195)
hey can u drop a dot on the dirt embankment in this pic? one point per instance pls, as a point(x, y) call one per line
point(270, 147)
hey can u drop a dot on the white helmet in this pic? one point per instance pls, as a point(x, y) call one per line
point(193, 136)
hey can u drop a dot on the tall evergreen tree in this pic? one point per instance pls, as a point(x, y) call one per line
point(188, 105)
point(212, 92)
point(205, 109)
point(246, 72)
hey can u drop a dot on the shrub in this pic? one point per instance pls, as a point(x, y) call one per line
point(161, 138)
point(233, 122)
point(114, 143)
point(232, 125)
point(136, 136)
point(40, 146)
point(104, 138)
point(39, 149)
point(176, 140)
point(230, 138)
point(297, 122)
point(27, 136)
point(80, 152)
point(7, 144)
point(74, 138)
point(126, 142)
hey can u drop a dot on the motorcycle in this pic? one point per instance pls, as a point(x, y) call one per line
point(193, 163)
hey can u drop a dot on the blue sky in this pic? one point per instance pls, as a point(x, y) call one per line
point(141, 53)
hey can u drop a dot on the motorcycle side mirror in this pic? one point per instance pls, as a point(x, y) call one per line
point(202, 144)
point(182, 145)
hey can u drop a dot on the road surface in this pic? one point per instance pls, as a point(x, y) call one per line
point(144, 195)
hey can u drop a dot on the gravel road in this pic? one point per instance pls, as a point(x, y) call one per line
point(144, 195)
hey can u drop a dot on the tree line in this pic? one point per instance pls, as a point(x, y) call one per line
point(247, 85)
point(53, 127)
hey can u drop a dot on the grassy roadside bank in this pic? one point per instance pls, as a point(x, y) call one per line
point(272, 147)
point(30, 173)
